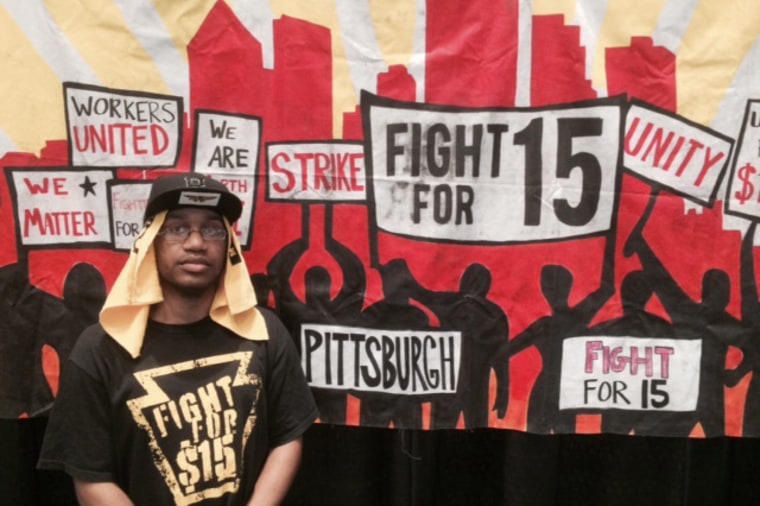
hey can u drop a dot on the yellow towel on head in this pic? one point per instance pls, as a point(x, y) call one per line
point(125, 313)
point(234, 305)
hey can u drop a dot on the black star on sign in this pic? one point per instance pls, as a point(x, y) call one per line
point(88, 186)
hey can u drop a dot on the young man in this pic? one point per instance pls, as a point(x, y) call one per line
point(185, 392)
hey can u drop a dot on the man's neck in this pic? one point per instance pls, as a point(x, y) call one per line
point(181, 310)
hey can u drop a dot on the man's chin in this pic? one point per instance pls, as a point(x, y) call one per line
point(197, 292)
point(194, 291)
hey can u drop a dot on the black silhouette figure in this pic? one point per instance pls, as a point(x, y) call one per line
point(547, 335)
point(318, 307)
point(393, 312)
point(31, 319)
point(706, 320)
point(635, 293)
point(751, 346)
point(261, 286)
point(84, 292)
point(485, 330)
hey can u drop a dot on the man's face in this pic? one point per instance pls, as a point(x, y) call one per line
point(190, 265)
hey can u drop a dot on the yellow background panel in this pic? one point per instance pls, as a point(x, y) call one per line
point(714, 45)
point(544, 7)
point(98, 32)
point(31, 103)
point(394, 26)
point(183, 19)
point(621, 22)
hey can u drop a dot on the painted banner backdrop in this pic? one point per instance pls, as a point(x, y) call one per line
point(536, 215)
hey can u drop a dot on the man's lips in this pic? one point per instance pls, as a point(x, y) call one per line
point(194, 264)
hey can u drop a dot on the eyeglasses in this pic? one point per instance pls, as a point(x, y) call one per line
point(180, 233)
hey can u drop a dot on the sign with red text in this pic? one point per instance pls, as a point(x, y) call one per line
point(127, 201)
point(316, 172)
point(629, 373)
point(743, 196)
point(493, 175)
point(686, 158)
point(244, 187)
point(56, 207)
point(405, 362)
point(117, 128)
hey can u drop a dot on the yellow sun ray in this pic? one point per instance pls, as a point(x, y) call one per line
point(31, 105)
point(100, 34)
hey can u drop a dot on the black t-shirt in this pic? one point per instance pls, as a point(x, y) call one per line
point(190, 421)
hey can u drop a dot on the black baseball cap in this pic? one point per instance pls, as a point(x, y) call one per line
point(192, 190)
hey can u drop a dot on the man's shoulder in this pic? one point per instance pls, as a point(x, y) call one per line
point(92, 336)
point(266, 311)
point(272, 320)
point(94, 341)
point(279, 338)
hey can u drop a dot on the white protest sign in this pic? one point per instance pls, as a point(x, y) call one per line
point(493, 175)
point(128, 201)
point(637, 374)
point(117, 128)
point(56, 207)
point(688, 159)
point(404, 362)
point(743, 196)
point(226, 143)
point(316, 172)
point(227, 149)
